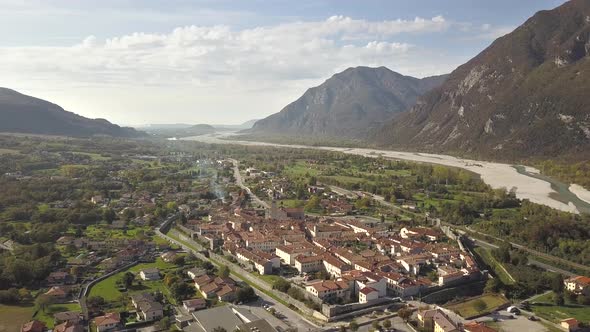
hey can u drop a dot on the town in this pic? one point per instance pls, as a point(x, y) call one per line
point(159, 238)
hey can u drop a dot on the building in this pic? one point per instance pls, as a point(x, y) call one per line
point(208, 320)
point(259, 325)
point(334, 266)
point(149, 274)
point(307, 264)
point(33, 326)
point(68, 327)
point(477, 327)
point(368, 294)
point(147, 308)
point(288, 253)
point(578, 285)
point(68, 316)
point(570, 324)
point(328, 290)
point(442, 323)
point(194, 304)
point(109, 322)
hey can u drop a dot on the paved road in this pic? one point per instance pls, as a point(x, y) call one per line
point(240, 183)
point(550, 268)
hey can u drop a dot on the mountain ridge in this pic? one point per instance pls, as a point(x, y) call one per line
point(20, 113)
point(348, 104)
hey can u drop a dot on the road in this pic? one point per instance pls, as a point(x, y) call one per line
point(240, 183)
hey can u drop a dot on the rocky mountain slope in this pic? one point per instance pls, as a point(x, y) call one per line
point(350, 104)
point(526, 95)
point(24, 114)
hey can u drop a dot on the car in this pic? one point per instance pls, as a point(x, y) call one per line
point(533, 318)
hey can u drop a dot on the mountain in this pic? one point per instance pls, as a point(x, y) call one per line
point(246, 125)
point(348, 105)
point(181, 130)
point(526, 95)
point(24, 114)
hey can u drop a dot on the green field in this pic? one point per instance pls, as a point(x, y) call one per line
point(47, 315)
point(108, 289)
point(8, 151)
point(102, 232)
point(12, 317)
point(498, 268)
point(300, 168)
point(466, 309)
point(543, 306)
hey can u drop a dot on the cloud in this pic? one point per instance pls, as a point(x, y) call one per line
point(284, 58)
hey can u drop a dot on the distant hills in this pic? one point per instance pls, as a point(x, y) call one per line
point(350, 104)
point(20, 113)
point(178, 130)
point(526, 95)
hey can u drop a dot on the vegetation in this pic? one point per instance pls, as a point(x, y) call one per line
point(478, 306)
point(548, 307)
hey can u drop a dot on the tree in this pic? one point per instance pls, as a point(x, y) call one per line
point(219, 329)
point(492, 285)
point(95, 303)
point(181, 290)
point(179, 260)
point(42, 301)
point(246, 294)
point(164, 323)
point(387, 324)
point(376, 325)
point(281, 285)
point(223, 271)
point(353, 326)
point(480, 305)
point(558, 299)
point(313, 204)
point(557, 283)
point(342, 328)
point(404, 313)
point(583, 299)
point(127, 279)
point(109, 215)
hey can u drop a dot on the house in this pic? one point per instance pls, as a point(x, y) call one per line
point(194, 273)
point(168, 256)
point(59, 278)
point(570, 324)
point(578, 285)
point(57, 294)
point(194, 304)
point(33, 326)
point(151, 273)
point(442, 323)
point(329, 290)
point(148, 309)
point(68, 327)
point(477, 327)
point(97, 200)
point(109, 322)
point(68, 316)
point(368, 294)
point(426, 318)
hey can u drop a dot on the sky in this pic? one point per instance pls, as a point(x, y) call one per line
point(137, 62)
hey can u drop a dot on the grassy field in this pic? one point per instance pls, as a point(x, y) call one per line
point(8, 151)
point(108, 289)
point(12, 317)
point(47, 315)
point(498, 268)
point(466, 309)
point(543, 306)
point(102, 232)
point(93, 156)
point(300, 169)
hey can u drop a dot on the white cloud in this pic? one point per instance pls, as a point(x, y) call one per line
point(208, 63)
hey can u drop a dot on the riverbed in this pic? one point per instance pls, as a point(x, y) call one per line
point(526, 181)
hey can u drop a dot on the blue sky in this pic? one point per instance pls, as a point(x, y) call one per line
point(218, 61)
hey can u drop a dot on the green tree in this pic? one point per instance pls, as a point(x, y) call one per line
point(404, 313)
point(109, 215)
point(42, 301)
point(387, 324)
point(127, 279)
point(223, 271)
point(282, 285)
point(480, 305)
point(313, 204)
point(376, 325)
point(557, 283)
point(492, 285)
point(353, 326)
point(246, 294)
point(558, 299)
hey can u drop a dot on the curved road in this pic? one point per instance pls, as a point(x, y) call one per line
point(240, 183)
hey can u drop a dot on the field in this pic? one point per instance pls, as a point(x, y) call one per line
point(108, 289)
point(12, 317)
point(47, 316)
point(467, 309)
point(543, 306)
point(8, 151)
point(499, 270)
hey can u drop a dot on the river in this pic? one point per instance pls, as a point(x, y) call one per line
point(527, 182)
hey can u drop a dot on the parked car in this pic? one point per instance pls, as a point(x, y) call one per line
point(533, 318)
